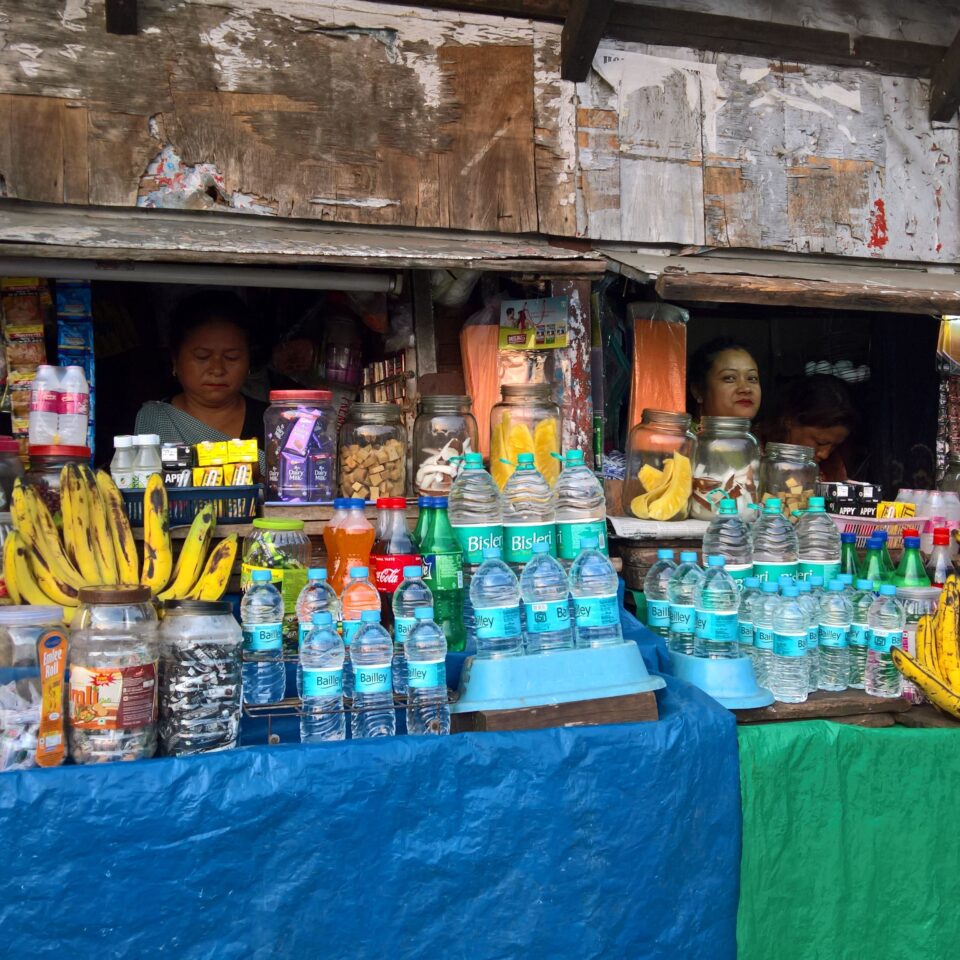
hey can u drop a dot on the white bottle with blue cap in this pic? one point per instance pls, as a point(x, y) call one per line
point(680, 589)
point(764, 611)
point(593, 587)
point(371, 652)
point(321, 664)
point(716, 602)
point(495, 597)
point(261, 618)
point(407, 598)
point(790, 668)
point(317, 596)
point(886, 620)
point(428, 709)
point(546, 601)
point(655, 593)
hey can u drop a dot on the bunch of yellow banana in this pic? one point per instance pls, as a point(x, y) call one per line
point(97, 545)
point(936, 667)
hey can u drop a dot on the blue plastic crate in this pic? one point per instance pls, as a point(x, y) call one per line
point(231, 504)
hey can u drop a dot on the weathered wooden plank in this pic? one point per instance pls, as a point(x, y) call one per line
point(36, 149)
point(825, 705)
point(574, 361)
point(927, 716)
point(585, 25)
point(945, 84)
point(74, 125)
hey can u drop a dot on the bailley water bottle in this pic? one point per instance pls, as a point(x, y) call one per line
point(818, 543)
point(495, 595)
point(749, 597)
point(716, 601)
point(861, 603)
point(407, 598)
point(774, 544)
point(475, 511)
point(261, 617)
point(764, 621)
point(810, 601)
point(655, 593)
point(680, 589)
point(886, 620)
point(729, 537)
point(835, 617)
point(581, 509)
point(790, 668)
point(529, 511)
point(359, 595)
point(593, 586)
point(316, 597)
point(371, 651)
point(428, 711)
point(321, 702)
point(546, 601)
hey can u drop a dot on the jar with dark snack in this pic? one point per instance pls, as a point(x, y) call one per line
point(45, 466)
point(200, 677)
point(301, 446)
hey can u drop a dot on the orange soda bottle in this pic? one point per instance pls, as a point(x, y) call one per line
point(358, 596)
point(352, 539)
point(330, 543)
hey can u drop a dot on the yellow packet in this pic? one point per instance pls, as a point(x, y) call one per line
point(212, 453)
point(52, 657)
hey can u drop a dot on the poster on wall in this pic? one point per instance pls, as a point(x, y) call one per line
point(533, 324)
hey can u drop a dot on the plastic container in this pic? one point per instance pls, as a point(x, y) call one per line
point(146, 459)
point(655, 593)
point(727, 466)
point(728, 536)
point(121, 466)
point(371, 655)
point(835, 615)
point(321, 696)
point(45, 466)
point(425, 652)
point(681, 587)
point(526, 420)
point(659, 472)
point(818, 543)
point(789, 680)
point(113, 655)
point(300, 442)
point(373, 452)
point(495, 598)
point(790, 473)
point(546, 602)
point(444, 432)
point(529, 514)
point(593, 592)
point(917, 602)
point(887, 620)
point(581, 509)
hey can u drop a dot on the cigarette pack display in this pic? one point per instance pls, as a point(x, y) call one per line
point(176, 455)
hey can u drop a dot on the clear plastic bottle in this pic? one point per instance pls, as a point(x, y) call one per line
point(940, 563)
point(749, 597)
point(146, 459)
point(495, 594)
point(546, 600)
point(581, 509)
point(775, 547)
point(321, 701)
point(847, 580)
point(341, 506)
point(818, 542)
point(655, 593)
point(835, 617)
point(428, 710)
point(593, 586)
point(764, 622)
point(729, 537)
point(810, 601)
point(74, 407)
point(317, 596)
point(371, 652)
point(359, 596)
point(412, 594)
point(790, 667)
point(716, 602)
point(44, 429)
point(529, 513)
point(861, 602)
point(887, 619)
point(680, 591)
point(261, 618)
point(121, 466)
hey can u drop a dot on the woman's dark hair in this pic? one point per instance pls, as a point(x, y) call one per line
point(700, 364)
point(818, 401)
point(205, 307)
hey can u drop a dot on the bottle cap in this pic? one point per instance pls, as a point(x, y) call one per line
point(848, 538)
point(888, 590)
point(574, 458)
point(688, 556)
point(359, 573)
point(664, 554)
point(716, 561)
point(423, 613)
point(791, 592)
point(865, 585)
point(473, 461)
point(412, 571)
point(357, 503)
point(541, 546)
point(845, 578)
point(123, 442)
point(769, 587)
point(340, 503)
point(816, 582)
point(147, 440)
point(492, 553)
point(803, 586)
point(785, 578)
point(772, 505)
point(882, 535)
point(369, 616)
point(440, 503)
point(525, 459)
point(911, 543)
point(728, 507)
point(322, 618)
point(912, 532)
point(752, 583)
point(836, 586)
point(317, 573)
point(874, 543)
point(421, 502)
point(589, 543)
point(261, 576)
point(816, 505)
point(941, 537)
point(391, 503)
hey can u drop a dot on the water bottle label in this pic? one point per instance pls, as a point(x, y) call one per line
point(44, 401)
point(658, 613)
point(518, 541)
point(322, 683)
point(75, 403)
point(350, 629)
point(774, 571)
point(372, 679)
point(790, 644)
point(443, 571)
point(474, 540)
point(402, 627)
point(813, 638)
point(739, 571)
point(860, 635)
point(834, 636)
point(596, 611)
point(570, 533)
point(548, 617)
point(503, 621)
point(813, 568)
point(719, 627)
point(883, 641)
point(683, 618)
point(262, 636)
point(763, 638)
point(745, 634)
point(302, 630)
point(424, 674)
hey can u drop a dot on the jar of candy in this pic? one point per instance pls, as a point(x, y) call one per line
point(46, 462)
point(526, 420)
point(281, 547)
point(443, 433)
point(727, 465)
point(373, 452)
point(11, 467)
point(659, 473)
point(200, 677)
point(789, 472)
point(917, 602)
point(301, 442)
point(113, 658)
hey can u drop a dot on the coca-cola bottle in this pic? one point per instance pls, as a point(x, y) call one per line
point(393, 550)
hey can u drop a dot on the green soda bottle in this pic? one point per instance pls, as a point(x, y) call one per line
point(888, 568)
point(849, 562)
point(425, 506)
point(911, 572)
point(443, 574)
point(872, 567)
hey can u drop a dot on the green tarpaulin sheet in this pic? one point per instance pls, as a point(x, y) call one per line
point(851, 843)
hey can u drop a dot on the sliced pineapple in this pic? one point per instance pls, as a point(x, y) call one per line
point(672, 503)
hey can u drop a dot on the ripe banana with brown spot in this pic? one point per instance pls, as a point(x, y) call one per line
point(213, 581)
point(102, 540)
point(124, 546)
point(941, 695)
point(77, 527)
point(60, 593)
point(17, 571)
point(46, 539)
point(9, 574)
point(157, 554)
point(193, 555)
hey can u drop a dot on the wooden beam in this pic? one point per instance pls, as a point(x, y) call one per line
point(780, 292)
point(945, 86)
point(582, 30)
point(122, 17)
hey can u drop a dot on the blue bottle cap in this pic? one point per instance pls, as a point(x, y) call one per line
point(888, 590)
point(845, 578)
point(836, 586)
point(422, 502)
point(716, 561)
point(769, 587)
point(816, 582)
point(882, 535)
point(322, 618)
point(791, 592)
point(664, 554)
point(785, 580)
point(492, 553)
point(803, 586)
point(874, 543)
point(317, 573)
point(440, 503)
point(752, 583)
point(773, 505)
point(359, 573)
point(816, 505)
point(911, 543)
point(541, 546)
point(261, 576)
point(370, 616)
point(589, 543)
point(865, 585)
point(525, 460)
point(423, 613)
point(574, 457)
point(473, 461)
point(688, 556)
point(848, 538)
point(410, 572)
point(340, 503)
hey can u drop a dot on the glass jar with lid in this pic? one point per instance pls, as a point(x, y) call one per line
point(727, 466)
point(300, 429)
point(200, 677)
point(46, 462)
point(526, 420)
point(789, 472)
point(444, 432)
point(113, 656)
point(373, 452)
point(659, 472)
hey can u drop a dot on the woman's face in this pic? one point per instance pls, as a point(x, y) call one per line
point(213, 362)
point(733, 386)
point(824, 440)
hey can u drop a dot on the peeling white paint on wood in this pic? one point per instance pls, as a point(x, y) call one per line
point(372, 203)
point(74, 11)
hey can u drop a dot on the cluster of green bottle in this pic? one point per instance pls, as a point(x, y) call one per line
point(878, 567)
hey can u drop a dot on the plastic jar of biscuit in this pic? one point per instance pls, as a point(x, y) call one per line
point(373, 452)
point(789, 472)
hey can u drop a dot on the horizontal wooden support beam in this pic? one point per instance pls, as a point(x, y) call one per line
point(781, 292)
point(945, 85)
point(585, 25)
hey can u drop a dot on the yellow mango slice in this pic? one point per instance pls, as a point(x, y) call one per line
point(546, 441)
point(650, 477)
point(640, 506)
point(673, 501)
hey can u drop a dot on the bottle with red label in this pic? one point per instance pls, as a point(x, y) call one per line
point(940, 564)
point(393, 550)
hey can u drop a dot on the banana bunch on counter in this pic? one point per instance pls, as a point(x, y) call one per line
point(43, 565)
point(936, 668)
